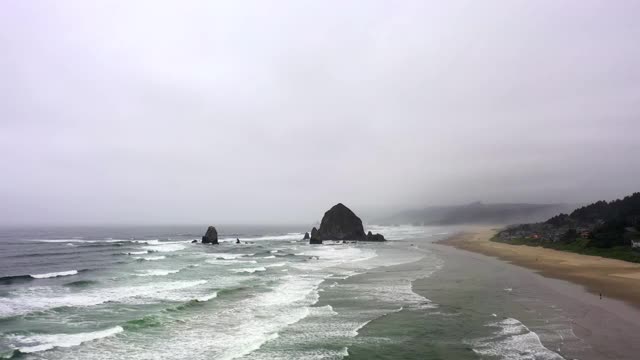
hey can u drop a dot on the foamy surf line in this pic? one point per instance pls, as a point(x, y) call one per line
point(48, 342)
point(43, 298)
point(249, 270)
point(157, 272)
point(54, 274)
point(149, 258)
point(514, 341)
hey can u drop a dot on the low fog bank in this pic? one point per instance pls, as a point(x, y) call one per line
point(476, 213)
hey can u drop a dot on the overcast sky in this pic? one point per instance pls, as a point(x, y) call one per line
point(272, 111)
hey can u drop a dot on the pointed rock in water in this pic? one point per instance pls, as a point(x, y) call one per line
point(237, 241)
point(340, 223)
point(314, 237)
point(194, 241)
point(211, 237)
point(306, 236)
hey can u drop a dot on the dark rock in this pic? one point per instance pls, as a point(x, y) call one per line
point(376, 237)
point(340, 223)
point(237, 241)
point(194, 241)
point(306, 236)
point(211, 237)
point(314, 237)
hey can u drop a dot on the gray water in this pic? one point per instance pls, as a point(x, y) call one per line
point(149, 293)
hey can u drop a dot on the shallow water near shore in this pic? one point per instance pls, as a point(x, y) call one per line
point(141, 293)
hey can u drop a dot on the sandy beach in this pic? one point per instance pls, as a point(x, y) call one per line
point(609, 277)
point(604, 328)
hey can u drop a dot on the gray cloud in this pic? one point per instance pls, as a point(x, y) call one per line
point(245, 112)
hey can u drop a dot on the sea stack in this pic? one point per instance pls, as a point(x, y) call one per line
point(306, 236)
point(211, 237)
point(375, 237)
point(314, 237)
point(340, 223)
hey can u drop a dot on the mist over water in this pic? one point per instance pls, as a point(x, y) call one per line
point(159, 113)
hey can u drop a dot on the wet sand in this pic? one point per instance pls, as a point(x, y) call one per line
point(608, 328)
point(612, 278)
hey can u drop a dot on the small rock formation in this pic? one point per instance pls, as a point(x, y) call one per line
point(194, 241)
point(376, 237)
point(211, 237)
point(237, 241)
point(306, 236)
point(340, 223)
point(314, 237)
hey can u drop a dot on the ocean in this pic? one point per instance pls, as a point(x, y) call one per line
point(149, 293)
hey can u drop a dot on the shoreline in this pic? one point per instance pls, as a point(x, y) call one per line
point(610, 277)
point(601, 329)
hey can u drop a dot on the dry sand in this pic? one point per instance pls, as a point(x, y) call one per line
point(611, 278)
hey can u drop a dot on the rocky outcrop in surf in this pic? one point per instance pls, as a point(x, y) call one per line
point(306, 236)
point(340, 223)
point(211, 236)
point(314, 237)
point(375, 237)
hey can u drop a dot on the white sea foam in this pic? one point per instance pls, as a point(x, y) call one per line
point(249, 270)
point(150, 258)
point(513, 341)
point(280, 264)
point(54, 274)
point(269, 257)
point(207, 297)
point(165, 247)
point(32, 299)
point(36, 343)
point(156, 272)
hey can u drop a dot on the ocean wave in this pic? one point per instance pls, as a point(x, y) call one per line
point(8, 280)
point(165, 247)
point(143, 323)
point(54, 274)
point(136, 252)
point(280, 264)
point(37, 343)
point(156, 272)
point(226, 256)
point(514, 341)
point(14, 279)
point(229, 262)
point(28, 300)
point(208, 297)
point(93, 241)
point(150, 258)
point(249, 270)
point(81, 283)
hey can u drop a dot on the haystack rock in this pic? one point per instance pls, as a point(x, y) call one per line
point(340, 223)
point(211, 237)
point(314, 237)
